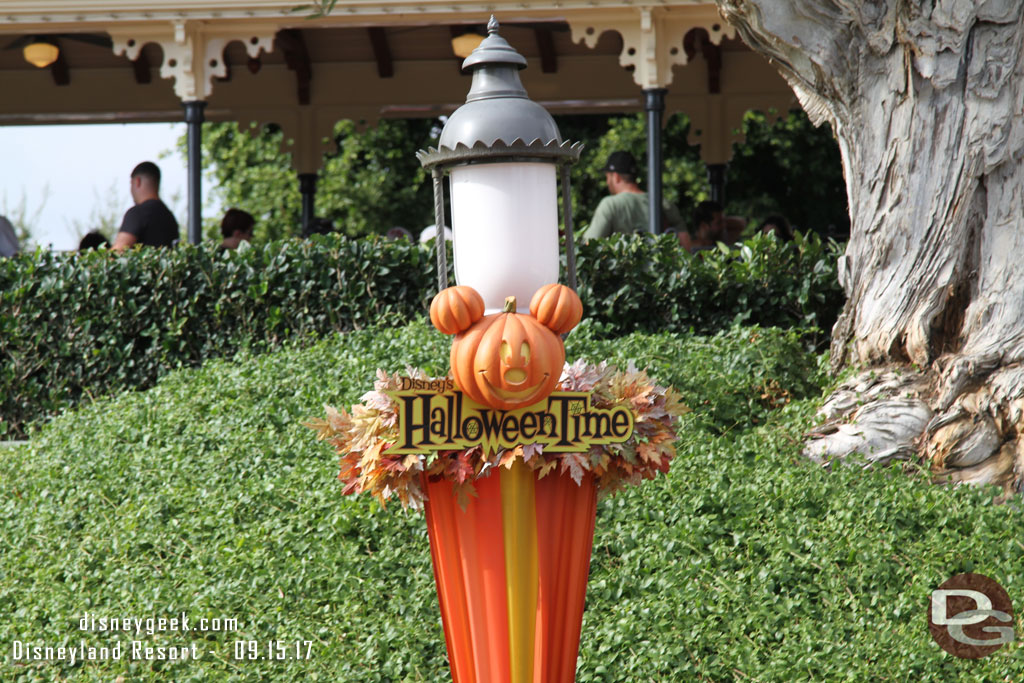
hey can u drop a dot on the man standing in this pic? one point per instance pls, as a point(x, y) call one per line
point(626, 209)
point(149, 222)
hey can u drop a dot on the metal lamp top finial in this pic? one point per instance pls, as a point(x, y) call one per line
point(499, 120)
point(494, 50)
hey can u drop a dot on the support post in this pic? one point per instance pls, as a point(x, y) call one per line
point(194, 119)
point(716, 178)
point(654, 104)
point(439, 241)
point(570, 238)
point(307, 188)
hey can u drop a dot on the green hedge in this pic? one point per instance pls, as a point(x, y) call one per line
point(633, 284)
point(84, 325)
point(93, 323)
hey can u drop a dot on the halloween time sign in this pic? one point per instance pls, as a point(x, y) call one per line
point(509, 398)
point(435, 416)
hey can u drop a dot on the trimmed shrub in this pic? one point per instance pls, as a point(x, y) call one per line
point(84, 325)
point(74, 325)
point(629, 283)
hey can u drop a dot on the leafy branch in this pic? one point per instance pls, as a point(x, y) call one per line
point(315, 10)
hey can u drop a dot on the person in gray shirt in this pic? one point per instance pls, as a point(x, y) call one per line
point(626, 209)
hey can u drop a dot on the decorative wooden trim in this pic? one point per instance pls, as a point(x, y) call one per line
point(193, 51)
point(296, 56)
point(141, 69)
point(55, 12)
point(381, 51)
point(697, 39)
point(652, 37)
point(546, 47)
point(59, 69)
point(226, 78)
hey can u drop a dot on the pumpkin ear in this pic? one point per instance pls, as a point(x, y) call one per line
point(455, 309)
point(556, 307)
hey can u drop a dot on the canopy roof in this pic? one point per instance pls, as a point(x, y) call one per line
point(258, 61)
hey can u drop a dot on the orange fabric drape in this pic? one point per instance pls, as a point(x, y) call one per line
point(519, 553)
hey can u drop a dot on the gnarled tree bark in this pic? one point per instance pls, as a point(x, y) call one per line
point(926, 99)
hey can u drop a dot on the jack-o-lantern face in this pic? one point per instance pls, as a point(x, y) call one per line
point(507, 360)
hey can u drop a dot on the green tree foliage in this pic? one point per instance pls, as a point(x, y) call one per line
point(373, 181)
point(788, 167)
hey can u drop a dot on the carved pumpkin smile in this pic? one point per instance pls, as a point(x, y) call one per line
point(518, 395)
point(506, 360)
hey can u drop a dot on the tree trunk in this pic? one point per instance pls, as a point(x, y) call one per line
point(925, 98)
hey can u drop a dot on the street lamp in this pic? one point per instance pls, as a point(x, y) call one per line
point(502, 151)
point(511, 566)
point(505, 467)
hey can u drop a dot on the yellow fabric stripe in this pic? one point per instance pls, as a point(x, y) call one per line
point(519, 521)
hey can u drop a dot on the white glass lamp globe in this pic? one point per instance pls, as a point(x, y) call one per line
point(505, 218)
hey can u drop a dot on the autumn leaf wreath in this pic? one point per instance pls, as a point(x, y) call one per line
point(363, 436)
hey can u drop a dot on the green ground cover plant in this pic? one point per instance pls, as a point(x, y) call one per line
point(78, 326)
point(204, 495)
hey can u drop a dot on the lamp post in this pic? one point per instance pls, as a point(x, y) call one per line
point(503, 152)
point(511, 564)
point(194, 119)
point(654, 104)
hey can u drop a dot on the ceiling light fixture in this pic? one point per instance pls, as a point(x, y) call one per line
point(464, 45)
point(41, 52)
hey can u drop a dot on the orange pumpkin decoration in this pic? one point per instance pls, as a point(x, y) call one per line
point(556, 307)
point(507, 360)
point(454, 309)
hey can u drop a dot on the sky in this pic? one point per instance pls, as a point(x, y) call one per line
point(67, 176)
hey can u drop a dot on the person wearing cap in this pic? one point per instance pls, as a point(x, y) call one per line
point(626, 209)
